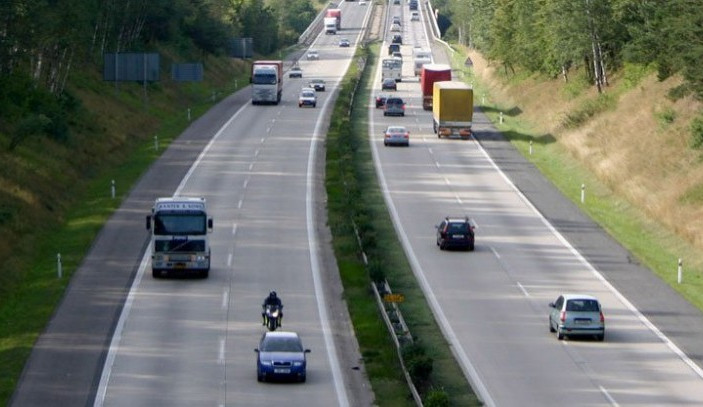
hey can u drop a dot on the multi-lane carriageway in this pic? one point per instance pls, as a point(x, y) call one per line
point(188, 342)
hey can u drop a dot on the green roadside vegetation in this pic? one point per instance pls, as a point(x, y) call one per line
point(84, 205)
point(653, 244)
point(355, 202)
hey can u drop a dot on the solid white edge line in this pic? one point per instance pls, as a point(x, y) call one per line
point(696, 369)
point(117, 335)
point(608, 396)
point(467, 367)
point(524, 291)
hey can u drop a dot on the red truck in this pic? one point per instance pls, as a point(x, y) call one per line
point(266, 82)
point(336, 13)
point(430, 74)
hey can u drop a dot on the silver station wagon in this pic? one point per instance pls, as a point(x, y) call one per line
point(576, 315)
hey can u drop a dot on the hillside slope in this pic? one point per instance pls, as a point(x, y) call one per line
point(638, 146)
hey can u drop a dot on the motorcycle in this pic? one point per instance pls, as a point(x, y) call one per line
point(272, 317)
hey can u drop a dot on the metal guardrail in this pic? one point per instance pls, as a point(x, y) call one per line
point(399, 331)
point(314, 28)
point(435, 27)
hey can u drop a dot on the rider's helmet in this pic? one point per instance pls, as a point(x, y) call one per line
point(272, 294)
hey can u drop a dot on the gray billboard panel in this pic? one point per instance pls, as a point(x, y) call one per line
point(242, 48)
point(191, 72)
point(131, 66)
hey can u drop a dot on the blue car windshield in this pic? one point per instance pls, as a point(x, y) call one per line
point(282, 345)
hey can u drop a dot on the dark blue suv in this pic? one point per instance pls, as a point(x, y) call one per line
point(455, 232)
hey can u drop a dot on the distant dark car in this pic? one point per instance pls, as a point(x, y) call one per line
point(394, 107)
point(317, 84)
point(397, 39)
point(381, 101)
point(389, 84)
point(295, 72)
point(393, 48)
point(455, 232)
point(281, 355)
point(344, 43)
point(396, 135)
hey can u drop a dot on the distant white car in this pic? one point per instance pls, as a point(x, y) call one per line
point(313, 55)
point(415, 16)
point(396, 27)
point(295, 72)
point(362, 2)
point(308, 97)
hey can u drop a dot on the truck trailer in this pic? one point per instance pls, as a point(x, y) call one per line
point(336, 13)
point(266, 82)
point(430, 74)
point(179, 236)
point(452, 109)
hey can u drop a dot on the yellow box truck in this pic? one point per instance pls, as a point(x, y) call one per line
point(452, 109)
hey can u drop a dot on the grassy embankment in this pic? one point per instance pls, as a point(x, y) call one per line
point(120, 132)
point(629, 146)
point(354, 197)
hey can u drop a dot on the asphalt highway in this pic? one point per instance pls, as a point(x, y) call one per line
point(492, 303)
point(121, 337)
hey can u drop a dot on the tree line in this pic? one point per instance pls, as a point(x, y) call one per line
point(43, 42)
point(557, 37)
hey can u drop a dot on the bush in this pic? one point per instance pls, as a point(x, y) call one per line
point(417, 362)
point(377, 270)
point(633, 74)
point(588, 109)
point(666, 116)
point(697, 132)
point(436, 398)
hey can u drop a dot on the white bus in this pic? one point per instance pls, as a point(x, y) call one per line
point(392, 68)
point(179, 236)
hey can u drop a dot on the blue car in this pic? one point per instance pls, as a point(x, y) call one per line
point(281, 355)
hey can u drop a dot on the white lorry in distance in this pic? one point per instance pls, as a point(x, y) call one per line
point(330, 25)
point(266, 82)
point(179, 236)
point(392, 68)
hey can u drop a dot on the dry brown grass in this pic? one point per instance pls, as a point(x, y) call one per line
point(641, 158)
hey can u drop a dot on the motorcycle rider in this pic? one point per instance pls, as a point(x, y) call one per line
point(272, 299)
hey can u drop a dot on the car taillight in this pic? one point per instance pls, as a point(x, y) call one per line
point(562, 316)
point(602, 318)
point(403, 107)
